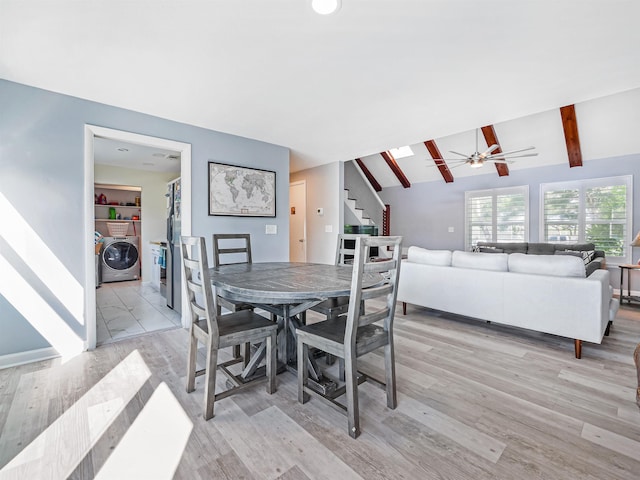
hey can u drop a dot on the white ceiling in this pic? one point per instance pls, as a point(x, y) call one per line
point(116, 153)
point(376, 75)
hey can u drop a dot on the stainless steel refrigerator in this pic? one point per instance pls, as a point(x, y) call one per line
point(173, 245)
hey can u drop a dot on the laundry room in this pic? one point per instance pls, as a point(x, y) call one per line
point(130, 208)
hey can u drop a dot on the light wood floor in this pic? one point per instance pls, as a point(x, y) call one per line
point(475, 401)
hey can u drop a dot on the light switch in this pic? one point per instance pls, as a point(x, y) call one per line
point(328, 228)
point(450, 229)
point(271, 229)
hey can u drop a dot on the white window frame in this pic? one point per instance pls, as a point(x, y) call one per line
point(581, 186)
point(494, 193)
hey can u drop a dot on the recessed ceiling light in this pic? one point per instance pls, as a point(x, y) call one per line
point(326, 7)
point(401, 152)
point(122, 149)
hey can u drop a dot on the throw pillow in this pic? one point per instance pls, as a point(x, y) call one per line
point(586, 255)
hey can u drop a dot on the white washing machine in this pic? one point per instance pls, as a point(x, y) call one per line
point(120, 259)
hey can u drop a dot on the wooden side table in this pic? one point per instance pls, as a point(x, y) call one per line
point(628, 297)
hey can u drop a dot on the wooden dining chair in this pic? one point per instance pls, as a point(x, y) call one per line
point(352, 335)
point(219, 331)
point(222, 247)
point(345, 253)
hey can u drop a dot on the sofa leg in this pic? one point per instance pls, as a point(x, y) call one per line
point(578, 347)
point(606, 332)
point(404, 308)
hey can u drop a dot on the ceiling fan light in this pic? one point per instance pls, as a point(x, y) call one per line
point(476, 164)
point(326, 7)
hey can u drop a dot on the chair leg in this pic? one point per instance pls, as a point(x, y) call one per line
point(210, 381)
point(271, 363)
point(246, 355)
point(236, 351)
point(303, 374)
point(191, 362)
point(351, 384)
point(341, 369)
point(390, 371)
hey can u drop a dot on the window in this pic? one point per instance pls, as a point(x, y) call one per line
point(594, 211)
point(497, 215)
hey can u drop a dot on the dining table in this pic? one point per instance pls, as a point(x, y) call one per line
point(286, 290)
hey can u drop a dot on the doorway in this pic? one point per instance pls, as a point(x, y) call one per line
point(91, 134)
point(298, 221)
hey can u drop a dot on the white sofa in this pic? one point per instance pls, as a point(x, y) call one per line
point(545, 293)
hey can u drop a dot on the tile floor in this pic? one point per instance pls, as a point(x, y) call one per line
point(126, 309)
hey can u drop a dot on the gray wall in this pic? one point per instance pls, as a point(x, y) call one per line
point(424, 212)
point(41, 177)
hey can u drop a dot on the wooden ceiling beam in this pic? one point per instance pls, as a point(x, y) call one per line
point(434, 151)
point(571, 137)
point(492, 139)
point(374, 183)
point(393, 165)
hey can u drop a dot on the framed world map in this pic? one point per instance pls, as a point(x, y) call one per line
point(241, 191)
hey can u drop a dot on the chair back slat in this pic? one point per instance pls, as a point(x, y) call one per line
point(387, 292)
point(380, 266)
point(342, 251)
point(226, 238)
point(373, 317)
point(198, 283)
point(375, 292)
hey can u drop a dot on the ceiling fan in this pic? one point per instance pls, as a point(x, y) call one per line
point(477, 159)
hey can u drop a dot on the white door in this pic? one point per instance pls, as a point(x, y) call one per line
point(297, 222)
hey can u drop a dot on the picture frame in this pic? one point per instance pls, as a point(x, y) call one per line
point(240, 191)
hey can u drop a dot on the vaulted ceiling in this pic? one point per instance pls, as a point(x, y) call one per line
point(601, 128)
point(376, 75)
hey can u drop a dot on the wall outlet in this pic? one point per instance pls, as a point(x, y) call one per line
point(450, 230)
point(328, 228)
point(271, 229)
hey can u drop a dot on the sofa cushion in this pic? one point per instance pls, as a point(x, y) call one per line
point(429, 257)
point(574, 246)
point(490, 250)
point(541, 248)
point(480, 261)
point(512, 247)
point(587, 256)
point(554, 265)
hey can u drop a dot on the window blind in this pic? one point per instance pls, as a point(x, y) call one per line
point(594, 211)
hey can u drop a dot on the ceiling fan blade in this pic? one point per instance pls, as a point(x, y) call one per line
point(458, 153)
point(491, 149)
point(505, 162)
point(502, 157)
point(458, 165)
point(513, 151)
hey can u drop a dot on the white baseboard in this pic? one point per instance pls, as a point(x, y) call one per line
point(15, 359)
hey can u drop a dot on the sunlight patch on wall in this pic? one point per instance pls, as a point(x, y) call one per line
point(57, 451)
point(28, 302)
point(36, 254)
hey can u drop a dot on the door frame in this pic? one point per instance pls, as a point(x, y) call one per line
point(304, 210)
point(90, 133)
